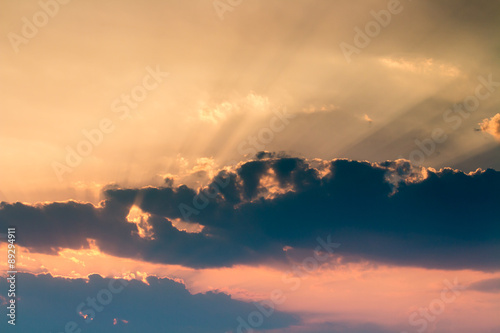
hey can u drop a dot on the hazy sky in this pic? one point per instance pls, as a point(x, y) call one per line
point(381, 120)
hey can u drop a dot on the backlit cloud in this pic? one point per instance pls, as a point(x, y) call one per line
point(387, 212)
point(492, 126)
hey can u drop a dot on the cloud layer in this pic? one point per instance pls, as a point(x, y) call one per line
point(387, 212)
point(49, 303)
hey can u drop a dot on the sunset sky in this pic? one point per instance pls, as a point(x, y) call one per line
point(234, 166)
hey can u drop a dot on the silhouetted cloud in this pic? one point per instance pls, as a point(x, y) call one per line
point(389, 212)
point(48, 303)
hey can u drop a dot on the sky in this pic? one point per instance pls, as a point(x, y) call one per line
point(251, 166)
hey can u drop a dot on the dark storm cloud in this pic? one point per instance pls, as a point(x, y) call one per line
point(251, 173)
point(48, 303)
point(388, 212)
point(49, 227)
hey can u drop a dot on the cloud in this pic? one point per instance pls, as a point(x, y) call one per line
point(487, 286)
point(216, 113)
point(388, 212)
point(492, 126)
point(161, 305)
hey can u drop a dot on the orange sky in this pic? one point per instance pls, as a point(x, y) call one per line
point(365, 291)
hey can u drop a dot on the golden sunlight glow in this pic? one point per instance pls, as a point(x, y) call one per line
point(141, 104)
point(190, 227)
point(140, 218)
